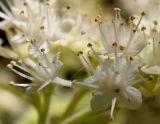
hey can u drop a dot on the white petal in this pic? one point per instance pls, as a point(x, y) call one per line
point(101, 101)
point(4, 16)
point(67, 25)
point(5, 25)
point(151, 69)
point(131, 98)
point(63, 82)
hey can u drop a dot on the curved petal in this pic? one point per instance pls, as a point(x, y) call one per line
point(131, 98)
point(151, 69)
point(101, 102)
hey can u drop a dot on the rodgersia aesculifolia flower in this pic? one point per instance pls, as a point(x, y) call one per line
point(124, 51)
point(42, 71)
point(117, 69)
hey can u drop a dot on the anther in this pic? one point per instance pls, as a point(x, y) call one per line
point(117, 9)
point(42, 50)
point(150, 78)
point(25, 4)
point(143, 28)
point(42, 27)
point(82, 33)
point(80, 53)
point(155, 22)
point(114, 44)
point(89, 45)
point(132, 18)
point(68, 7)
point(13, 63)
point(143, 13)
point(10, 66)
point(12, 83)
point(121, 47)
point(122, 24)
point(21, 12)
point(130, 58)
point(117, 90)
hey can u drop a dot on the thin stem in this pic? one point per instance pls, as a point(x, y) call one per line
point(44, 107)
point(73, 103)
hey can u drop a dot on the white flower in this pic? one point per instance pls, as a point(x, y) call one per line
point(150, 56)
point(117, 36)
point(36, 20)
point(112, 79)
point(43, 71)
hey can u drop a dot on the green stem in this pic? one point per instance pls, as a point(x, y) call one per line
point(81, 115)
point(44, 107)
point(73, 103)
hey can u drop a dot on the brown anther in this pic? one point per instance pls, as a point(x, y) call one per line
point(154, 30)
point(132, 18)
point(143, 13)
point(80, 53)
point(68, 7)
point(121, 47)
point(150, 78)
point(155, 22)
point(21, 12)
point(42, 50)
point(82, 33)
point(117, 90)
point(130, 58)
point(122, 24)
point(42, 27)
point(89, 45)
point(114, 44)
point(25, 3)
point(143, 28)
point(134, 30)
point(95, 20)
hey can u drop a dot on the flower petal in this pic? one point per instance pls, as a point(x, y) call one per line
point(131, 98)
point(151, 69)
point(62, 82)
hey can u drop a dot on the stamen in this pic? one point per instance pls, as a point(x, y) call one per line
point(94, 52)
point(19, 85)
point(26, 69)
point(10, 66)
point(112, 108)
point(134, 32)
point(85, 61)
point(4, 8)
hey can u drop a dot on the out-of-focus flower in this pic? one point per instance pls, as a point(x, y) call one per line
point(150, 55)
point(112, 79)
point(37, 20)
point(43, 71)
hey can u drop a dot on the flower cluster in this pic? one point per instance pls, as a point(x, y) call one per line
point(126, 52)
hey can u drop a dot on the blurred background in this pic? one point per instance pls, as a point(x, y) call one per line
point(14, 109)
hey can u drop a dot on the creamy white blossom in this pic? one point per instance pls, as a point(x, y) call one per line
point(43, 71)
point(36, 20)
point(113, 80)
point(150, 57)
